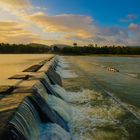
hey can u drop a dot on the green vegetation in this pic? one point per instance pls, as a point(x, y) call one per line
point(20, 48)
point(98, 50)
point(68, 50)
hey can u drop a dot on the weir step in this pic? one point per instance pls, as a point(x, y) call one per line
point(38, 66)
point(22, 77)
point(6, 89)
point(25, 102)
point(33, 68)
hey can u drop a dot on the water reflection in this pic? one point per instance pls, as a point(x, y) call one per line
point(14, 64)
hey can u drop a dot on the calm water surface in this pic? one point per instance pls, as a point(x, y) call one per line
point(14, 64)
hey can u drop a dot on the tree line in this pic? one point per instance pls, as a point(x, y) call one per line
point(22, 48)
point(131, 50)
point(68, 50)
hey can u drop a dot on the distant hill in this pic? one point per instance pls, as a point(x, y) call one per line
point(22, 48)
point(60, 45)
point(38, 45)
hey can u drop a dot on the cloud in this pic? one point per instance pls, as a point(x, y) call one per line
point(76, 24)
point(129, 18)
point(134, 27)
point(14, 4)
point(83, 29)
point(104, 36)
point(9, 26)
point(13, 32)
point(37, 26)
point(134, 30)
point(15, 27)
point(15, 9)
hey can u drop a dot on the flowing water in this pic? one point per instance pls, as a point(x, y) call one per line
point(106, 103)
point(97, 104)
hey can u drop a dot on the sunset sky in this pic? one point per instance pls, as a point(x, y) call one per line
point(106, 22)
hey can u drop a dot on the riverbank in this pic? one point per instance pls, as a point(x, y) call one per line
point(68, 50)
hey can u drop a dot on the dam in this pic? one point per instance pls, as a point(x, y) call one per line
point(46, 101)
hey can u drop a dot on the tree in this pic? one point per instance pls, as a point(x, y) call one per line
point(75, 44)
point(96, 45)
point(90, 45)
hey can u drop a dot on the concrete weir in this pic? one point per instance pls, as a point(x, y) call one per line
point(24, 107)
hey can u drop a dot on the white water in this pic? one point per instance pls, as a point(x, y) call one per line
point(80, 117)
point(73, 97)
point(88, 114)
point(61, 62)
point(57, 104)
point(85, 117)
point(62, 69)
point(65, 73)
point(60, 106)
point(52, 131)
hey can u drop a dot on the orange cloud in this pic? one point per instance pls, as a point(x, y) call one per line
point(13, 32)
point(76, 24)
point(14, 4)
point(65, 28)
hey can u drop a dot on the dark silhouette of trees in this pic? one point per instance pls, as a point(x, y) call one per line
point(20, 48)
point(98, 50)
point(39, 48)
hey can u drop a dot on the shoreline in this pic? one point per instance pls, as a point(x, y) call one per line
point(105, 55)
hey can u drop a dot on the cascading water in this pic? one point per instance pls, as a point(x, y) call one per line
point(57, 104)
point(62, 69)
point(62, 63)
point(47, 105)
point(83, 115)
point(93, 115)
point(90, 111)
point(65, 73)
point(54, 132)
point(27, 122)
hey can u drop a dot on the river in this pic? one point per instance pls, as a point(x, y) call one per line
point(105, 118)
point(98, 103)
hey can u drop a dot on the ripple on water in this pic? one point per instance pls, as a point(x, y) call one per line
point(91, 113)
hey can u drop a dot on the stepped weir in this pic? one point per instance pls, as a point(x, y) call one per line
point(25, 111)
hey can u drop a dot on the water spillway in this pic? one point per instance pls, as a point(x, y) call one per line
point(41, 106)
point(27, 113)
point(41, 98)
